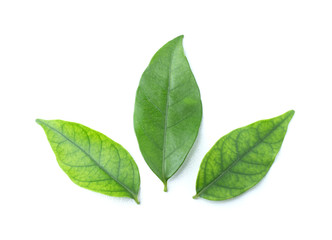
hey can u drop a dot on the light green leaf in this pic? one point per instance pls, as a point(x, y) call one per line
point(92, 160)
point(168, 110)
point(240, 159)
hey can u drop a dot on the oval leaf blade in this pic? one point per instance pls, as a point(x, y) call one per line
point(92, 160)
point(240, 159)
point(168, 110)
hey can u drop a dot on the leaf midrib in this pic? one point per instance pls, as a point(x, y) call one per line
point(239, 159)
point(163, 166)
point(101, 167)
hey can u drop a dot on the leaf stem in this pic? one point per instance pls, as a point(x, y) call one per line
point(165, 186)
point(196, 196)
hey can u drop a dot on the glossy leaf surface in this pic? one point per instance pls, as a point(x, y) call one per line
point(168, 110)
point(240, 159)
point(92, 160)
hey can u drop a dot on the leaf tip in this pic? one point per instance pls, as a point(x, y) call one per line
point(136, 200)
point(195, 197)
point(290, 113)
point(179, 38)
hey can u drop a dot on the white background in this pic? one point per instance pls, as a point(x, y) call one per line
point(82, 60)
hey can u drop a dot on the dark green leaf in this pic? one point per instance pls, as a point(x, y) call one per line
point(92, 160)
point(240, 159)
point(168, 110)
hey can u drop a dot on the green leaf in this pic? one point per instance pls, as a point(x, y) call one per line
point(92, 160)
point(240, 159)
point(168, 110)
